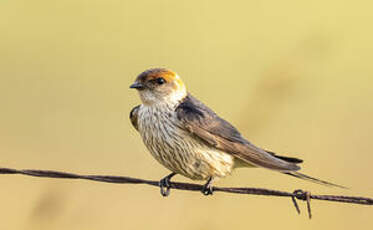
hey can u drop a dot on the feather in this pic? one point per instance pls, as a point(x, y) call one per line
point(133, 116)
point(314, 180)
point(201, 121)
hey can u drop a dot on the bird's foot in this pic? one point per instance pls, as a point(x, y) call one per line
point(208, 189)
point(165, 186)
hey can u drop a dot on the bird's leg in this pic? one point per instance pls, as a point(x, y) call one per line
point(164, 184)
point(208, 188)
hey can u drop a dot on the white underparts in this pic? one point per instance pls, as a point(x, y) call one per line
point(177, 149)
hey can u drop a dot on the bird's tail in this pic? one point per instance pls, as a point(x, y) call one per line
point(314, 180)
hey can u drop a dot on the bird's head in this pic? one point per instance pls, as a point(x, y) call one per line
point(159, 85)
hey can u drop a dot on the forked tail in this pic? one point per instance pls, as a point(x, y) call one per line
point(312, 179)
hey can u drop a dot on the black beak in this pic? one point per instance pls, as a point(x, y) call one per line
point(137, 85)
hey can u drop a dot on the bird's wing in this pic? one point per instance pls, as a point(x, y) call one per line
point(133, 116)
point(202, 122)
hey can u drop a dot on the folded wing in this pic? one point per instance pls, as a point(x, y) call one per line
point(202, 122)
point(133, 116)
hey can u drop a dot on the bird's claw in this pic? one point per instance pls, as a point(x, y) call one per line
point(207, 190)
point(165, 185)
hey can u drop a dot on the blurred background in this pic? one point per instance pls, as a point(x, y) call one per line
point(296, 77)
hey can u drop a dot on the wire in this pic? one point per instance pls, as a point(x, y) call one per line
point(296, 195)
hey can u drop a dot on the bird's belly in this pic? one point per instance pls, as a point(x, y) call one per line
point(195, 162)
point(182, 153)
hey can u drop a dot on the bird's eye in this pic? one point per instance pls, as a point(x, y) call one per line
point(161, 80)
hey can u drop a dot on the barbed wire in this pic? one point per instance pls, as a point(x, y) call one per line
point(296, 195)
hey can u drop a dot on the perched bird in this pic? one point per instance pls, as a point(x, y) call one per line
point(190, 139)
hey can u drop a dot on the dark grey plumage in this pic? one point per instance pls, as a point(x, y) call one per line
point(201, 121)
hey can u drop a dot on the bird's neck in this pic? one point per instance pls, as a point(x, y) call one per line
point(170, 101)
point(176, 97)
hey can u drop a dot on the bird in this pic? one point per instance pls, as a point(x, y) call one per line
point(190, 139)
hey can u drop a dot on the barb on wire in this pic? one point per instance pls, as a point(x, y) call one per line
point(296, 195)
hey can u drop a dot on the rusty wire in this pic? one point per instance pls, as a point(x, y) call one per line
point(296, 195)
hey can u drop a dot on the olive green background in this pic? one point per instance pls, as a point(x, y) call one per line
point(295, 77)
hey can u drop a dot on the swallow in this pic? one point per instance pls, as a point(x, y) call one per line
point(190, 139)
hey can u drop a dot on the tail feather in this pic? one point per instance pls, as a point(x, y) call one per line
point(287, 159)
point(312, 179)
point(301, 175)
